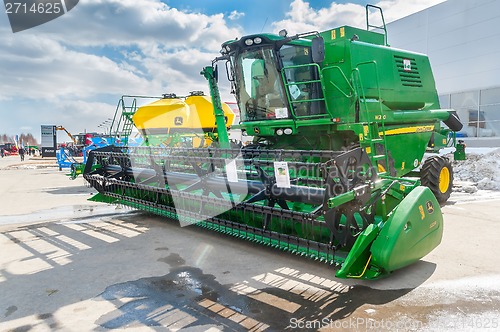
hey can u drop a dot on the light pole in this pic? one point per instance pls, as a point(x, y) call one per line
point(107, 126)
point(104, 126)
point(108, 123)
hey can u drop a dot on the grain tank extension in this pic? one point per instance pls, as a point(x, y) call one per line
point(341, 123)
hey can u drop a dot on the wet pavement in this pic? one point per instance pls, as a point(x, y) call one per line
point(82, 267)
point(133, 270)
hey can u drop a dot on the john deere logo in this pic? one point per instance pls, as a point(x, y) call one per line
point(178, 121)
point(430, 207)
point(27, 14)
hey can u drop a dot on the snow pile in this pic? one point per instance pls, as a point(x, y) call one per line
point(483, 170)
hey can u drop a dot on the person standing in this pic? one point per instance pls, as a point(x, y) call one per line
point(2, 152)
point(21, 153)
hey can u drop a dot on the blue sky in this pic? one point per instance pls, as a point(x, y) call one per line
point(71, 71)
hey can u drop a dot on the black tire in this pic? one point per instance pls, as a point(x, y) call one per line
point(437, 174)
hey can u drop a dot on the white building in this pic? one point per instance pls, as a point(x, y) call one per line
point(462, 40)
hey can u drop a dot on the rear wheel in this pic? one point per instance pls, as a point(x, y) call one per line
point(437, 174)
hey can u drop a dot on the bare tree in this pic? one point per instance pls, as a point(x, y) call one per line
point(27, 139)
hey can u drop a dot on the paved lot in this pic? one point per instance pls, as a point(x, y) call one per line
point(70, 265)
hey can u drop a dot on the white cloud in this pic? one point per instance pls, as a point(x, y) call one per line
point(74, 115)
point(132, 22)
point(161, 48)
point(234, 15)
point(40, 68)
point(78, 115)
point(57, 72)
point(303, 18)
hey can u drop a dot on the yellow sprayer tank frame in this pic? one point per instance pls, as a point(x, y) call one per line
point(179, 114)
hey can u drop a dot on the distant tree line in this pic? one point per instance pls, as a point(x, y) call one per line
point(26, 139)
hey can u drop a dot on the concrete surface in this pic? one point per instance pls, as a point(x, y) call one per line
point(70, 265)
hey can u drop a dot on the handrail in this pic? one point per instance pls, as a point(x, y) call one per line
point(367, 115)
point(319, 80)
point(345, 78)
point(383, 27)
point(379, 97)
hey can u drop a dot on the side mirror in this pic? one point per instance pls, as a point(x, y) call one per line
point(229, 72)
point(318, 49)
point(216, 74)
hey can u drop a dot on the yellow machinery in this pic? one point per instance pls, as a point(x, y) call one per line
point(174, 120)
point(68, 133)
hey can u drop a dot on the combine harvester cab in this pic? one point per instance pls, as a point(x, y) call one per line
point(340, 121)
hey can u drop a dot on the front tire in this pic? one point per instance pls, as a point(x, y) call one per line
point(437, 174)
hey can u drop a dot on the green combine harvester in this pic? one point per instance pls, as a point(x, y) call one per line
point(341, 122)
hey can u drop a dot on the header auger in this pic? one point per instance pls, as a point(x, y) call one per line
point(340, 123)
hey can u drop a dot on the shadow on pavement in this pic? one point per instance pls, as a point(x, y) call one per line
point(53, 265)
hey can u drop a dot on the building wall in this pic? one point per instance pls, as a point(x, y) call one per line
point(462, 40)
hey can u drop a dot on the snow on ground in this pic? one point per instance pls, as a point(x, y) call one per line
point(480, 171)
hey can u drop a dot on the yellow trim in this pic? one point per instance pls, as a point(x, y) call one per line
point(444, 180)
point(364, 270)
point(408, 130)
point(422, 213)
point(365, 130)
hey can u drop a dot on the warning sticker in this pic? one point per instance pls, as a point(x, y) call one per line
point(282, 175)
point(294, 91)
point(281, 113)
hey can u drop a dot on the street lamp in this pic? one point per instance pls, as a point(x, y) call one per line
point(109, 123)
point(104, 126)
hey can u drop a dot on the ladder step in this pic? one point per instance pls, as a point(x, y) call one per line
point(379, 157)
point(374, 140)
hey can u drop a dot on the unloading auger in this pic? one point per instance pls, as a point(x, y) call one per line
point(341, 121)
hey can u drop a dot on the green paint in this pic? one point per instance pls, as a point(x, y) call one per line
point(223, 138)
point(364, 93)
